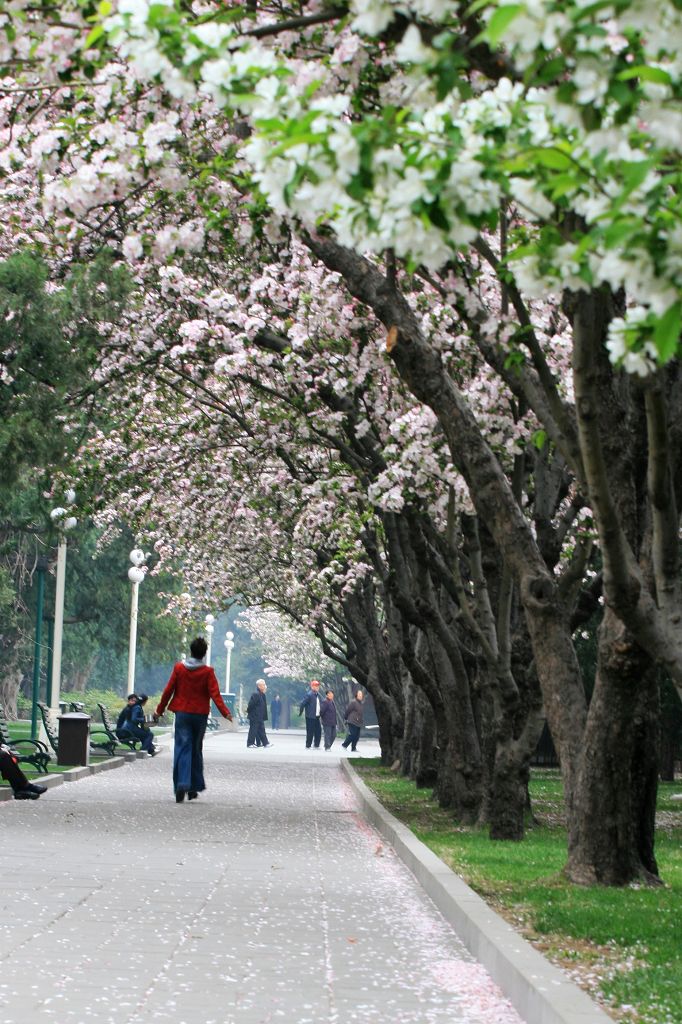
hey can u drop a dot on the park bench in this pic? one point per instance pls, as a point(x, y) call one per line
point(109, 728)
point(50, 724)
point(37, 753)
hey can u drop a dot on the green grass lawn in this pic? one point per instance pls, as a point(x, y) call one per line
point(623, 945)
point(21, 730)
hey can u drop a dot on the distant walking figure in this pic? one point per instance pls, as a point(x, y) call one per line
point(311, 704)
point(21, 787)
point(257, 713)
point(354, 718)
point(328, 719)
point(275, 710)
point(190, 689)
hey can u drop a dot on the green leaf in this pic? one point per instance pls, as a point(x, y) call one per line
point(667, 332)
point(619, 231)
point(514, 360)
point(562, 184)
point(634, 173)
point(96, 33)
point(646, 73)
point(553, 158)
point(539, 439)
point(500, 22)
point(476, 6)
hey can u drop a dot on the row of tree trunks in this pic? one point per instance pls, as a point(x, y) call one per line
point(421, 368)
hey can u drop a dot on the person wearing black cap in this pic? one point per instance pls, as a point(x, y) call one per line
point(134, 725)
point(10, 770)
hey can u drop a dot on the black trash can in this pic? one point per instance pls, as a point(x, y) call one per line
point(74, 738)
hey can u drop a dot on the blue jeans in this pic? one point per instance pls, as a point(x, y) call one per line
point(136, 732)
point(188, 760)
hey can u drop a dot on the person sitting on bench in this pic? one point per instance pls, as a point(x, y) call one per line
point(10, 770)
point(131, 723)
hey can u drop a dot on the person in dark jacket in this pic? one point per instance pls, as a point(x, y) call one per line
point(124, 717)
point(132, 725)
point(190, 690)
point(12, 773)
point(354, 719)
point(257, 714)
point(311, 704)
point(328, 719)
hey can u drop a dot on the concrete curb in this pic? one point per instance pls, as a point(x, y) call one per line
point(539, 992)
point(49, 781)
point(105, 766)
point(79, 772)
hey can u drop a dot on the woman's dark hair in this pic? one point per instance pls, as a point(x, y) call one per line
point(198, 648)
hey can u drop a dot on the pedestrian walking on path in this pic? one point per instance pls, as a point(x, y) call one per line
point(189, 690)
point(311, 704)
point(12, 773)
point(354, 718)
point(257, 714)
point(328, 719)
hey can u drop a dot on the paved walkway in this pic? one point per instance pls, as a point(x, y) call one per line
point(268, 899)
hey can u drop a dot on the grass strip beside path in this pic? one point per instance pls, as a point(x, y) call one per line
point(623, 946)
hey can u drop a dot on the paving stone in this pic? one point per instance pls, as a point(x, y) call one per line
point(268, 899)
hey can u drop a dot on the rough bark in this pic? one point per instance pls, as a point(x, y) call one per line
point(646, 599)
point(360, 613)
point(611, 826)
point(10, 682)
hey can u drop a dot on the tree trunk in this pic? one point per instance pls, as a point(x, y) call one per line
point(508, 794)
point(459, 785)
point(426, 760)
point(517, 738)
point(419, 761)
point(78, 678)
point(9, 689)
point(10, 683)
point(616, 784)
point(379, 669)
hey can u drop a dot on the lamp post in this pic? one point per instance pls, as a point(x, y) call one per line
point(229, 646)
point(41, 569)
point(209, 626)
point(135, 575)
point(64, 522)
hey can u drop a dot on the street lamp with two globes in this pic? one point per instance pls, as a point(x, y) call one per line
point(136, 574)
point(64, 522)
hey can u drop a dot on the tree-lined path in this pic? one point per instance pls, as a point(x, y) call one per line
point(269, 899)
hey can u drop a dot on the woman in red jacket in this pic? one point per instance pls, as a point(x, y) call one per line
point(190, 689)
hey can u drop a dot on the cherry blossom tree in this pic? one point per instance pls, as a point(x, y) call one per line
point(495, 156)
